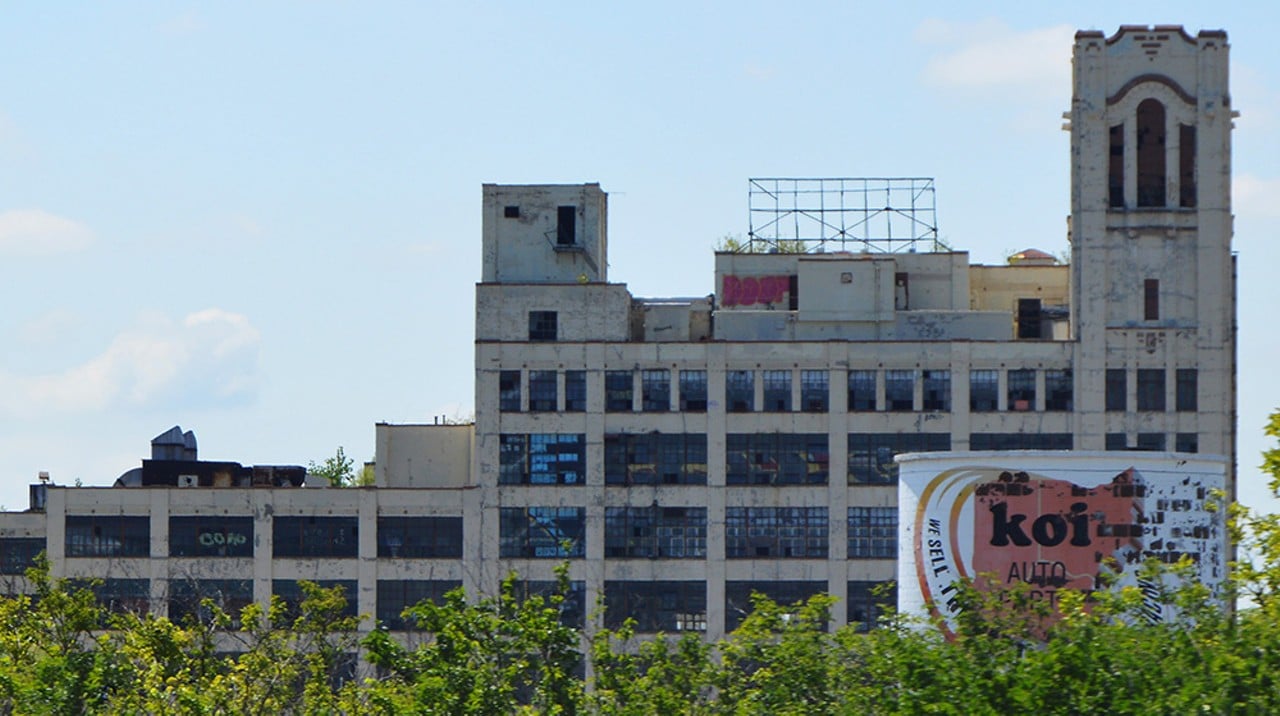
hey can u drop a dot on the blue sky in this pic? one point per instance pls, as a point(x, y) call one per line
point(261, 221)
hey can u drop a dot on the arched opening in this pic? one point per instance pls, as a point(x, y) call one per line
point(1151, 161)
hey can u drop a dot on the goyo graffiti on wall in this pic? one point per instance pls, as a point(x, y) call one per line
point(1054, 521)
point(753, 290)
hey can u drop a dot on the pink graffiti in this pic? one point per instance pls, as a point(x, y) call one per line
point(750, 290)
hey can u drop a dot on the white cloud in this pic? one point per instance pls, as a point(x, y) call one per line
point(34, 232)
point(206, 359)
point(991, 55)
point(1255, 196)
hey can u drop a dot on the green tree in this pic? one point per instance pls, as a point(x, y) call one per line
point(337, 470)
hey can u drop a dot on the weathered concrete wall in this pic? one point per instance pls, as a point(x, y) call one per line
point(411, 456)
point(586, 312)
point(528, 247)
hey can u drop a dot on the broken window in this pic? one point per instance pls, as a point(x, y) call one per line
point(541, 532)
point(777, 391)
point(541, 459)
point(511, 212)
point(899, 390)
point(1115, 168)
point(775, 532)
point(509, 391)
point(867, 601)
point(693, 391)
point(18, 554)
point(107, 536)
point(984, 390)
point(873, 532)
point(575, 391)
point(314, 536)
point(210, 536)
point(1117, 441)
point(655, 532)
point(1151, 389)
point(186, 598)
point(1151, 159)
point(397, 595)
point(655, 390)
point(542, 326)
point(542, 391)
point(871, 454)
point(862, 390)
point(740, 391)
point(813, 391)
point(1058, 390)
point(655, 459)
point(656, 606)
point(1022, 390)
point(1151, 299)
point(737, 596)
point(1185, 396)
point(1117, 389)
point(566, 225)
point(901, 291)
point(292, 594)
point(776, 459)
point(937, 390)
point(1187, 166)
point(424, 537)
point(619, 389)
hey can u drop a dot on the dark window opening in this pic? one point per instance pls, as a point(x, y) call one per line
point(542, 391)
point(814, 390)
point(901, 292)
point(871, 454)
point(899, 390)
point(937, 390)
point(1117, 389)
point(1058, 388)
point(511, 212)
point(566, 225)
point(793, 293)
point(1151, 299)
point(1185, 395)
point(984, 391)
point(1187, 166)
point(693, 391)
point(1117, 441)
point(1115, 169)
point(1022, 390)
point(873, 533)
point(186, 599)
point(211, 536)
point(419, 537)
point(18, 554)
point(575, 391)
point(1186, 442)
point(655, 532)
point(862, 390)
point(1151, 389)
point(572, 604)
point(777, 391)
point(541, 532)
point(397, 595)
point(737, 596)
point(313, 536)
point(542, 325)
point(776, 459)
point(290, 592)
point(1151, 442)
point(541, 459)
point(1151, 160)
point(619, 389)
point(775, 532)
point(655, 390)
point(1029, 318)
point(107, 536)
point(740, 391)
point(867, 601)
point(656, 606)
point(655, 459)
point(1020, 441)
point(509, 391)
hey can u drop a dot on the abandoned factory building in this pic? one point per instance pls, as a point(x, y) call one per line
point(680, 453)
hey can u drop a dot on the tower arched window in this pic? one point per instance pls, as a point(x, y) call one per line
point(1150, 150)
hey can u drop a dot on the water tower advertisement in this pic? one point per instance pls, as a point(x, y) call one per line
point(1053, 520)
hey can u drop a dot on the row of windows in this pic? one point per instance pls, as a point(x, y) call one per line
point(541, 459)
point(655, 458)
point(776, 395)
point(681, 532)
point(1151, 386)
point(655, 606)
point(1158, 442)
point(224, 536)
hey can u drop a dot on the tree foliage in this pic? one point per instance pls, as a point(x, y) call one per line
point(507, 654)
point(338, 470)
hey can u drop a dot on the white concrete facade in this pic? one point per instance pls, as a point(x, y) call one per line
point(690, 449)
